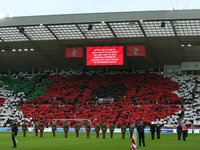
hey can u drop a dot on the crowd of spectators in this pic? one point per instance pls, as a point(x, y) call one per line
point(139, 96)
point(190, 91)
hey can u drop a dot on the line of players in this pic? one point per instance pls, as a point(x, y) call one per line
point(103, 127)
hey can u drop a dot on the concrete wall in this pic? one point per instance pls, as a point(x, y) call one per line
point(190, 65)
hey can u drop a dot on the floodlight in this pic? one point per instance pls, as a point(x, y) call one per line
point(1, 15)
point(191, 7)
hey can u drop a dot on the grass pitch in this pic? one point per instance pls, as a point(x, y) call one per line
point(48, 142)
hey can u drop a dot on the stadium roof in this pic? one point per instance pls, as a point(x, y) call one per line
point(171, 37)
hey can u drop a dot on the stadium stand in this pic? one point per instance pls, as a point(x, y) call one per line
point(73, 95)
point(9, 109)
point(190, 91)
point(16, 90)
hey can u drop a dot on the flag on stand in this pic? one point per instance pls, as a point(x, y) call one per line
point(134, 142)
point(136, 50)
point(73, 52)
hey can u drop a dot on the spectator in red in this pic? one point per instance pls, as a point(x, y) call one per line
point(185, 130)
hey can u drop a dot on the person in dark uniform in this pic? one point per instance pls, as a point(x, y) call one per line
point(36, 127)
point(111, 127)
point(123, 130)
point(14, 130)
point(152, 129)
point(66, 129)
point(88, 129)
point(104, 129)
point(131, 129)
point(179, 131)
point(158, 126)
point(41, 126)
point(77, 128)
point(97, 129)
point(140, 130)
point(24, 128)
point(54, 127)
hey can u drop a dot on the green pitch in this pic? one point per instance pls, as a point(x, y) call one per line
point(48, 142)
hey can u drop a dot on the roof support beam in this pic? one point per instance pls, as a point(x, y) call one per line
point(178, 39)
point(35, 46)
point(24, 34)
point(81, 31)
point(111, 30)
point(52, 32)
point(142, 29)
point(2, 39)
point(173, 28)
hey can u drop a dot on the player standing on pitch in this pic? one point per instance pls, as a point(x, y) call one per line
point(14, 130)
